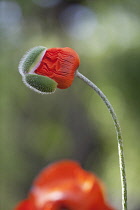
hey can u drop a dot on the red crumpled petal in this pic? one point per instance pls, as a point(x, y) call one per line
point(60, 65)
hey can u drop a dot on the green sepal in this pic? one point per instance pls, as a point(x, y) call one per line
point(39, 83)
point(30, 59)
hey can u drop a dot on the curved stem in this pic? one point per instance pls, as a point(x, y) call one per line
point(119, 137)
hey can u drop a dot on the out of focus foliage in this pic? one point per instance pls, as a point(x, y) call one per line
point(36, 130)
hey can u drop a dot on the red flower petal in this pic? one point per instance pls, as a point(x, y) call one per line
point(60, 65)
point(25, 205)
point(65, 185)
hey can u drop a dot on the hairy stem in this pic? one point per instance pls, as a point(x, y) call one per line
point(119, 137)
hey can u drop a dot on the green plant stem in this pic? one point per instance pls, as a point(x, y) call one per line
point(119, 137)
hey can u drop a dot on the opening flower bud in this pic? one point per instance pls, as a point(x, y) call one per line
point(45, 69)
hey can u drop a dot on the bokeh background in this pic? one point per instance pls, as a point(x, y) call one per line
point(35, 129)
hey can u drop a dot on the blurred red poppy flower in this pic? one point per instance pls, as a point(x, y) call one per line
point(45, 69)
point(65, 186)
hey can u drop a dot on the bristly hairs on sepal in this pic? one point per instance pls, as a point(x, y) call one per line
point(29, 58)
point(39, 83)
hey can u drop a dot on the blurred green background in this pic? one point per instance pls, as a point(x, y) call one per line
point(35, 129)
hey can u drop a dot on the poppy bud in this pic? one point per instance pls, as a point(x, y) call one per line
point(45, 69)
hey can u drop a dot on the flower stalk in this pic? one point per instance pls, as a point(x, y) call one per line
point(119, 137)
